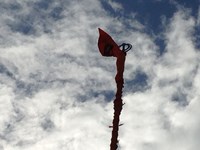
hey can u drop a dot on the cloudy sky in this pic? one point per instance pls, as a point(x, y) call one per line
point(57, 91)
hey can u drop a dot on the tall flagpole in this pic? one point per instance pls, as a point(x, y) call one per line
point(118, 102)
point(109, 48)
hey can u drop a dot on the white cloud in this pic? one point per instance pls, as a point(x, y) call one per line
point(51, 74)
point(115, 5)
point(166, 116)
point(54, 81)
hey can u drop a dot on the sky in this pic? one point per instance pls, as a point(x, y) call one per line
point(57, 91)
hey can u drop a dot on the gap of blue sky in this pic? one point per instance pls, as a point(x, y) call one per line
point(154, 14)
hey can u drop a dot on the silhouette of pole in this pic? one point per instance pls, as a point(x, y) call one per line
point(118, 102)
point(109, 48)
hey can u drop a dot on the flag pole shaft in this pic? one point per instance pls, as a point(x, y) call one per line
point(118, 102)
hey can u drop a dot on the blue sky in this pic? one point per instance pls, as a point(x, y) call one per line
point(153, 12)
point(57, 91)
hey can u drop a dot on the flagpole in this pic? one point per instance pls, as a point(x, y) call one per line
point(118, 102)
point(108, 47)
